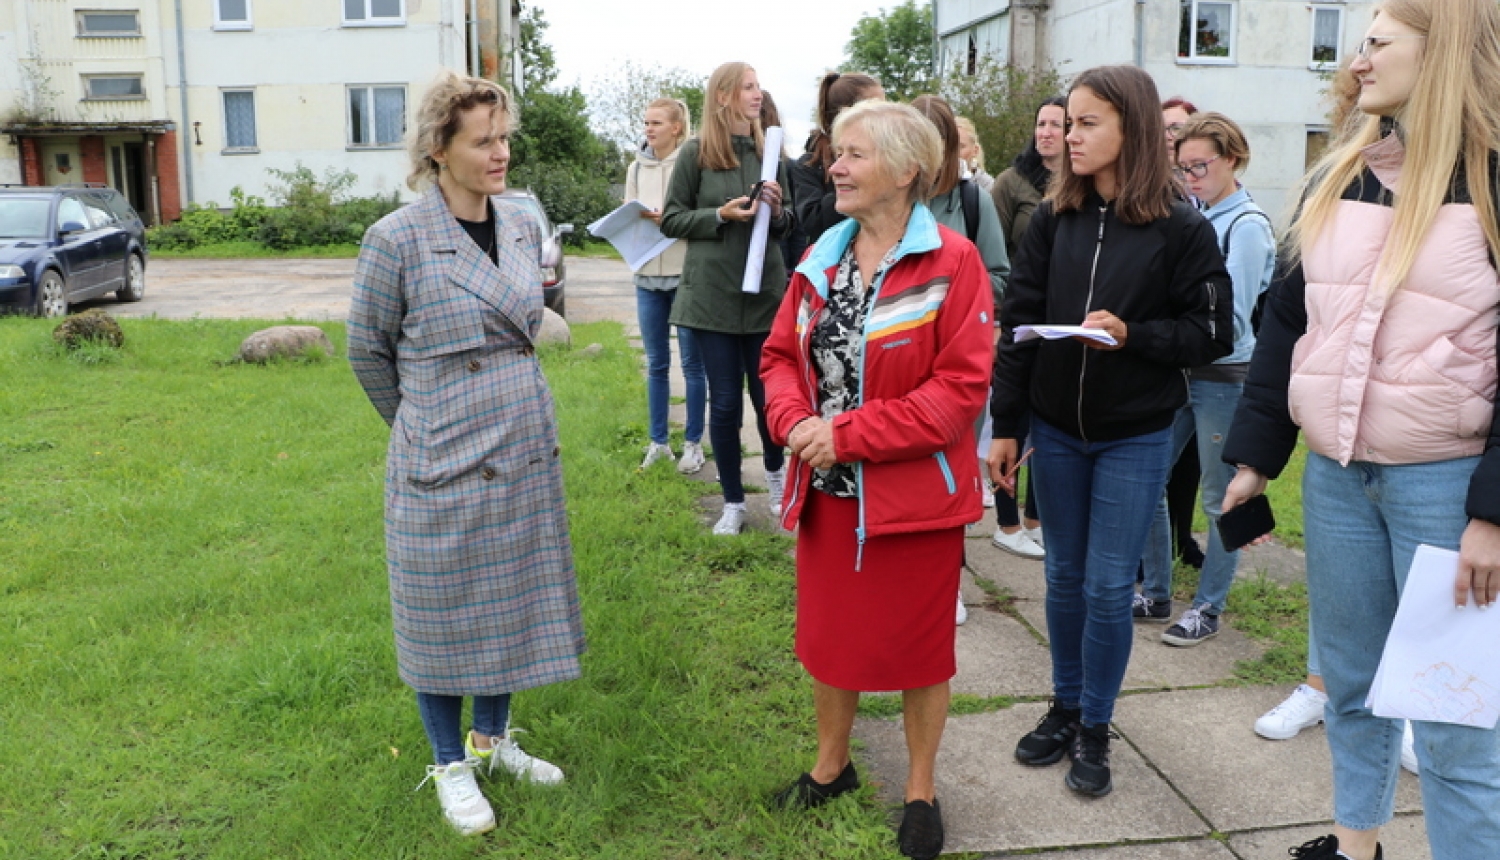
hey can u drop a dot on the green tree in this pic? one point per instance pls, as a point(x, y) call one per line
point(1001, 101)
point(618, 103)
point(896, 47)
point(538, 66)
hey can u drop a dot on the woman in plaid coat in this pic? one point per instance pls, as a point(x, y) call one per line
point(447, 298)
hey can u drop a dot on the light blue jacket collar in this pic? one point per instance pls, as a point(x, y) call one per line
point(920, 237)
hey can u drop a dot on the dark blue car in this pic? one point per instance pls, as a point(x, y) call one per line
point(68, 244)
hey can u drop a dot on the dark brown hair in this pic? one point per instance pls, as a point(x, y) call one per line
point(1144, 181)
point(940, 115)
point(835, 92)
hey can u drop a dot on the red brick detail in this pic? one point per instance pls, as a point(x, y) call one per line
point(31, 163)
point(91, 152)
point(168, 177)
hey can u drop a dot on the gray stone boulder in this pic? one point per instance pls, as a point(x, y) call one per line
point(554, 329)
point(285, 341)
point(90, 326)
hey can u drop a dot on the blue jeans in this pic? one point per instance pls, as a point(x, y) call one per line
point(733, 361)
point(1363, 523)
point(652, 308)
point(442, 716)
point(1096, 499)
point(1210, 411)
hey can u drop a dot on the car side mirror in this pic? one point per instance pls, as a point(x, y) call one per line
point(69, 227)
point(564, 229)
point(551, 255)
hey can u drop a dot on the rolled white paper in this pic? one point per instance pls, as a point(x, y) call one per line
point(755, 262)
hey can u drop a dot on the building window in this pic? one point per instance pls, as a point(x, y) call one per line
point(109, 23)
point(113, 88)
point(377, 116)
point(239, 121)
point(232, 15)
point(1327, 33)
point(1207, 31)
point(374, 13)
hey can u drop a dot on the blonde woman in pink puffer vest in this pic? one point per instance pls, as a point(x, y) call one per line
point(1379, 342)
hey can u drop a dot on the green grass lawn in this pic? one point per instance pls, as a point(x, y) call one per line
point(198, 658)
point(255, 250)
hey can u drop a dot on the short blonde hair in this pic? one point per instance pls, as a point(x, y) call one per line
point(441, 113)
point(903, 139)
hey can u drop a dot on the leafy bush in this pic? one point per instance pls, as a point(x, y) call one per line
point(1002, 101)
point(570, 195)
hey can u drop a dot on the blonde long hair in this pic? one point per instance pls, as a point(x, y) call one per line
point(1453, 112)
point(717, 141)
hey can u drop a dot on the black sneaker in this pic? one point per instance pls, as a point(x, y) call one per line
point(806, 792)
point(921, 833)
point(1324, 848)
point(1143, 608)
point(1090, 772)
point(1049, 741)
point(1195, 626)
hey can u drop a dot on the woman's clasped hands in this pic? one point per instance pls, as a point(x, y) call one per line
point(812, 441)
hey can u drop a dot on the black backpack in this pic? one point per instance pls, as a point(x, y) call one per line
point(1260, 300)
point(968, 194)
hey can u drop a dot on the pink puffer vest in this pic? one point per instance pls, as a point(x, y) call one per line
point(1405, 378)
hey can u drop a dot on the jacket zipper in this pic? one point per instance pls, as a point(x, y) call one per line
point(1087, 304)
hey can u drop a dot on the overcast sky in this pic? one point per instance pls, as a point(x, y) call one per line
point(791, 43)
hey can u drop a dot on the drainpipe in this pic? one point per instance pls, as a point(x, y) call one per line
point(1140, 33)
point(474, 38)
point(182, 90)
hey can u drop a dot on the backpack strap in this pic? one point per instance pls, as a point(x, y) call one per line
point(1224, 246)
point(968, 193)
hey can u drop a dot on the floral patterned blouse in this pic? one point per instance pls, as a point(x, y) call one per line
point(837, 352)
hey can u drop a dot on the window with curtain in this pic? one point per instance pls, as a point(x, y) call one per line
point(377, 116)
point(1327, 33)
point(239, 119)
point(1206, 32)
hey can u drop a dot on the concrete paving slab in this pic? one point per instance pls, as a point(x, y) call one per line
point(1022, 577)
point(993, 803)
point(1203, 742)
point(1404, 837)
point(997, 656)
point(1196, 849)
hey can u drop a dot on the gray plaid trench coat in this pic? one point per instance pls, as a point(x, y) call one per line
point(483, 592)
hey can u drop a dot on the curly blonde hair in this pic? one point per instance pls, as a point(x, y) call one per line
point(440, 115)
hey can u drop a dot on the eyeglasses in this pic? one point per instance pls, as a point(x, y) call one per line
point(1175, 129)
point(1197, 171)
point(1371, 45)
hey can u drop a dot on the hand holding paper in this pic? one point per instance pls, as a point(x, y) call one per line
point(634, 233)
point(1059, 332)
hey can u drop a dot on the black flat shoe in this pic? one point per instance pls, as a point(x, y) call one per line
point(806, 792)
point(921, 833)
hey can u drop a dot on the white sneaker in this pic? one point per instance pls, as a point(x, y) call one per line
point(656, 452)
point(776, 487)
point(989, 496)
point(1409, 750)
point(732, 521)
point(963, 611)
point(1017, 543)
point(1035, 535)
point(692, 458)
point(1302, 709)
point(463, 804)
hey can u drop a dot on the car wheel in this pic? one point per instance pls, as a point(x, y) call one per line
point(135, 280)
point(51, 295)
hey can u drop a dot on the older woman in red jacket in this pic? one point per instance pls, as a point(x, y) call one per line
point(875, 369)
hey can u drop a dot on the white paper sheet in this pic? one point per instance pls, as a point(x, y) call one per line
point(1058, 332)
point(1439, 661)
point(756, 261)
point(637, 239)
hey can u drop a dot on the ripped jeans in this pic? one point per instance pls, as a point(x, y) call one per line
point(1210, 410)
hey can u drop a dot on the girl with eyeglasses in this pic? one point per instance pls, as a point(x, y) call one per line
point(1379, 344)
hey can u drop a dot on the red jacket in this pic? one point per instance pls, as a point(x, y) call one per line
point(928, 351)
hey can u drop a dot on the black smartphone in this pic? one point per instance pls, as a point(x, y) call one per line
point(1247, 522)
point(754, 194)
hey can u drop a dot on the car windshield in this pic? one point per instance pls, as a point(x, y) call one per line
point(24, 217)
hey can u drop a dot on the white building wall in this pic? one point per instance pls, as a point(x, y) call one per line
point(299, 59)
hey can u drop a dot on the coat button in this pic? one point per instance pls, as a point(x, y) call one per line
point(487, 473)
point(473, 365)
point(526, 350)
point(556, 451)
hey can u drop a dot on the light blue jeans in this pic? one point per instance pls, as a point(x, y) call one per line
point(1210, 411)
point(1096, 499)
point(1363, 523)
point(653, 308)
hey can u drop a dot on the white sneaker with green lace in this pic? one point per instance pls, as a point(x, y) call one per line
point(463, 803)
point(506, 754)
point(776, 487)
point(656, 452)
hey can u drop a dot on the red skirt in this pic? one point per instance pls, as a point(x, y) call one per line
point(888, 625)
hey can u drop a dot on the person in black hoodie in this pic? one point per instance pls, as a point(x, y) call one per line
point(1112, 248)
point(812, 192)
